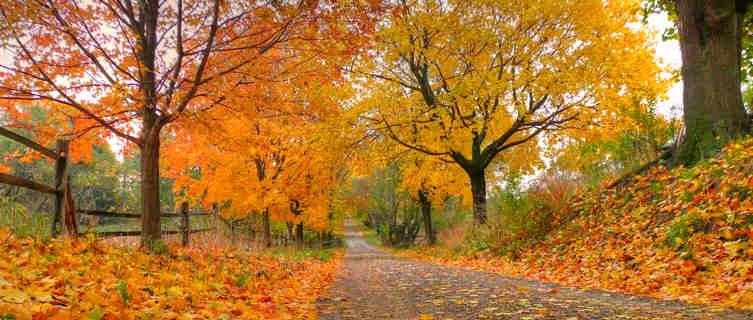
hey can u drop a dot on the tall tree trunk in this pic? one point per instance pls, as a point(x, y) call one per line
point(299, 234)
point(151, 126)
point(478, 192)
point(61, 163)
point(150, 206)
point(267, 230)
point(710, 40)
point(426, 211)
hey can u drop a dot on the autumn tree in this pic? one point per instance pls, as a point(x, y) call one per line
point(275, 152)
point(477, 82)
point(426, 180)
point(129, 69)
point(712, 37)
point(273, 171)
point(430, 182)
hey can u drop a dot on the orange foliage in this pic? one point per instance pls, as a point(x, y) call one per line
point(63, 279)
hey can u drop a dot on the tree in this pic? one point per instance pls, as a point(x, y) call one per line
point(391, 211)
point(483, 82)
point(710, 40)
point(278, 156)
point(426, 180)
point(429, 182)
point(713, 37)
point(271, 171)
point(131, 69)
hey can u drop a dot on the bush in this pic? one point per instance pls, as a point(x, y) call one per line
point(521, 218)
point(682, 229)
point(21, 220)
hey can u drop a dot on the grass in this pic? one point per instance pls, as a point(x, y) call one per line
point(322, 255)
point(135, 225)
point(22, 221)
point(369, 234)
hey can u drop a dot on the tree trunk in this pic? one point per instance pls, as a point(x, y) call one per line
point(186, 225)
point(478, 192)
point(252, 226)
point(61, 164)
point(426, 211)
point(710, 40)
point(150, 206)
point(299, 234)
point(290, 232)
point(267, 230)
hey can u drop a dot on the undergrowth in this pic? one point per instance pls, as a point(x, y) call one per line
point(685, 233)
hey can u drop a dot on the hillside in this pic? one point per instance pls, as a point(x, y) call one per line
point(677, 234)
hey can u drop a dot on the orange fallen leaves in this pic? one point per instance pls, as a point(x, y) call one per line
point(685, 234)
point(62, 279)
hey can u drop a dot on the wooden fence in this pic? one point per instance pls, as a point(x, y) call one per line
point(60, 155)
point(63, 200)
point(184, 214)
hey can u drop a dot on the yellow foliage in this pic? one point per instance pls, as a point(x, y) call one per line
point(499, 82)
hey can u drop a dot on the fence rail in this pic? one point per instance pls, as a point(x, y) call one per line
point(184, 214)
point(110, 234)
point(63, 201)
point(28, 142)
point(100, 213)
point(60, 155)
point(21, 182)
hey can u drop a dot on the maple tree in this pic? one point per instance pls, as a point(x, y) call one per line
point(476, 83)
point(276, 176)
point(130, 69)
point(278, 158)
point(429, 182)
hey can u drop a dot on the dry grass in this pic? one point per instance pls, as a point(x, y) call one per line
point(208, 239)
point(454, 236)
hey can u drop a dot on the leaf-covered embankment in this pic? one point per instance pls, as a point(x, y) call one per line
point(63, 279)
point(685, 234)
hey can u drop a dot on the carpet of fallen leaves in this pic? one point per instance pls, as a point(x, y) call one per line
point(684, 234)
point(64, 279)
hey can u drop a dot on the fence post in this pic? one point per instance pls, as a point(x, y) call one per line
point(215, 212)
point(61, 149)
point(186, 226)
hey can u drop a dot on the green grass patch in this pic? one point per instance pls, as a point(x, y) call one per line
point(369, 234)
point(322, 255)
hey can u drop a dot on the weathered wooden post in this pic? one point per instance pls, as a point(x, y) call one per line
point(267, 231)
point(215, 212)
point(289, 239)
point(61, 164)
point(186, 226)
point(299, 235)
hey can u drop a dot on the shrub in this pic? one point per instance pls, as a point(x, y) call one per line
point(682, 229)
point(520, 218)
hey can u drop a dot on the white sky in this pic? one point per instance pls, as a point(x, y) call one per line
point(669, 52)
